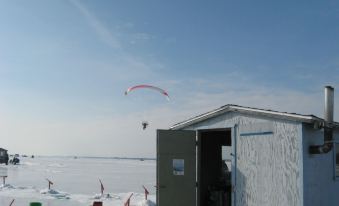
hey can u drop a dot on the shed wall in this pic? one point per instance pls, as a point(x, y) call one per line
point(320, 187)
point(269, 167)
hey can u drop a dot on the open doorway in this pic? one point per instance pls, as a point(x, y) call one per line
point(214, 167)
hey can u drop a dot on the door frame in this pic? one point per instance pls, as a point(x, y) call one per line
point(234, 131)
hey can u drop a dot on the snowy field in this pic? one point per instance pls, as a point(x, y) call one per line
point(76, 181)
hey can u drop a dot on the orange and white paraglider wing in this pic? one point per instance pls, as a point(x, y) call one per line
point(143, 86)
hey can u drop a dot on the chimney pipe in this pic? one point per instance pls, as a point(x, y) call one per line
point(329, 104)
point(328, 118)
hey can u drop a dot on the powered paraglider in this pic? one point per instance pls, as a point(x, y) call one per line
point(144, 86)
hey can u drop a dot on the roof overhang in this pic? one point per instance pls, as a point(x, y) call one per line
point(311, 119)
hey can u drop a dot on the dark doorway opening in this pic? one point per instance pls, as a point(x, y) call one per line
point(214, 167)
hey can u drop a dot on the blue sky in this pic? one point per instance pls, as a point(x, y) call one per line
point(64, 66)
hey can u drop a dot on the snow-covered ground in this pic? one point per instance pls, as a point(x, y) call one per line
point(76, 181)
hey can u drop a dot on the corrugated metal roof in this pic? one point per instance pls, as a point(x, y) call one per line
point(250, 110)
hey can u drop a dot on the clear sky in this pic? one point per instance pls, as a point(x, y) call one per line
point(64, 67)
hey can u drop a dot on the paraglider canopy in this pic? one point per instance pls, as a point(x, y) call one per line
point(144, 86)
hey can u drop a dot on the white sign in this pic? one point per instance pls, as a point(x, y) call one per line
point(178, 166)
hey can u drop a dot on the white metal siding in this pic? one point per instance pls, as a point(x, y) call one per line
point(269, 167)
point(320, 187)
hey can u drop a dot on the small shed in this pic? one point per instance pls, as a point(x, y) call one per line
point(275, 158)
point(3, 151)
point(3, 156)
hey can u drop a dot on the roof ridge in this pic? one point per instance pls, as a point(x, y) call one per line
point(229, 107)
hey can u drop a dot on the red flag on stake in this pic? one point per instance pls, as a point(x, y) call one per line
point(146, 192)
point(128, 200)
point(102, 187)
point(49, 183)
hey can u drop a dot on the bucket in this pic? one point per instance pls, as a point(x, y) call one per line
point(97, 203)
point(35, 204)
